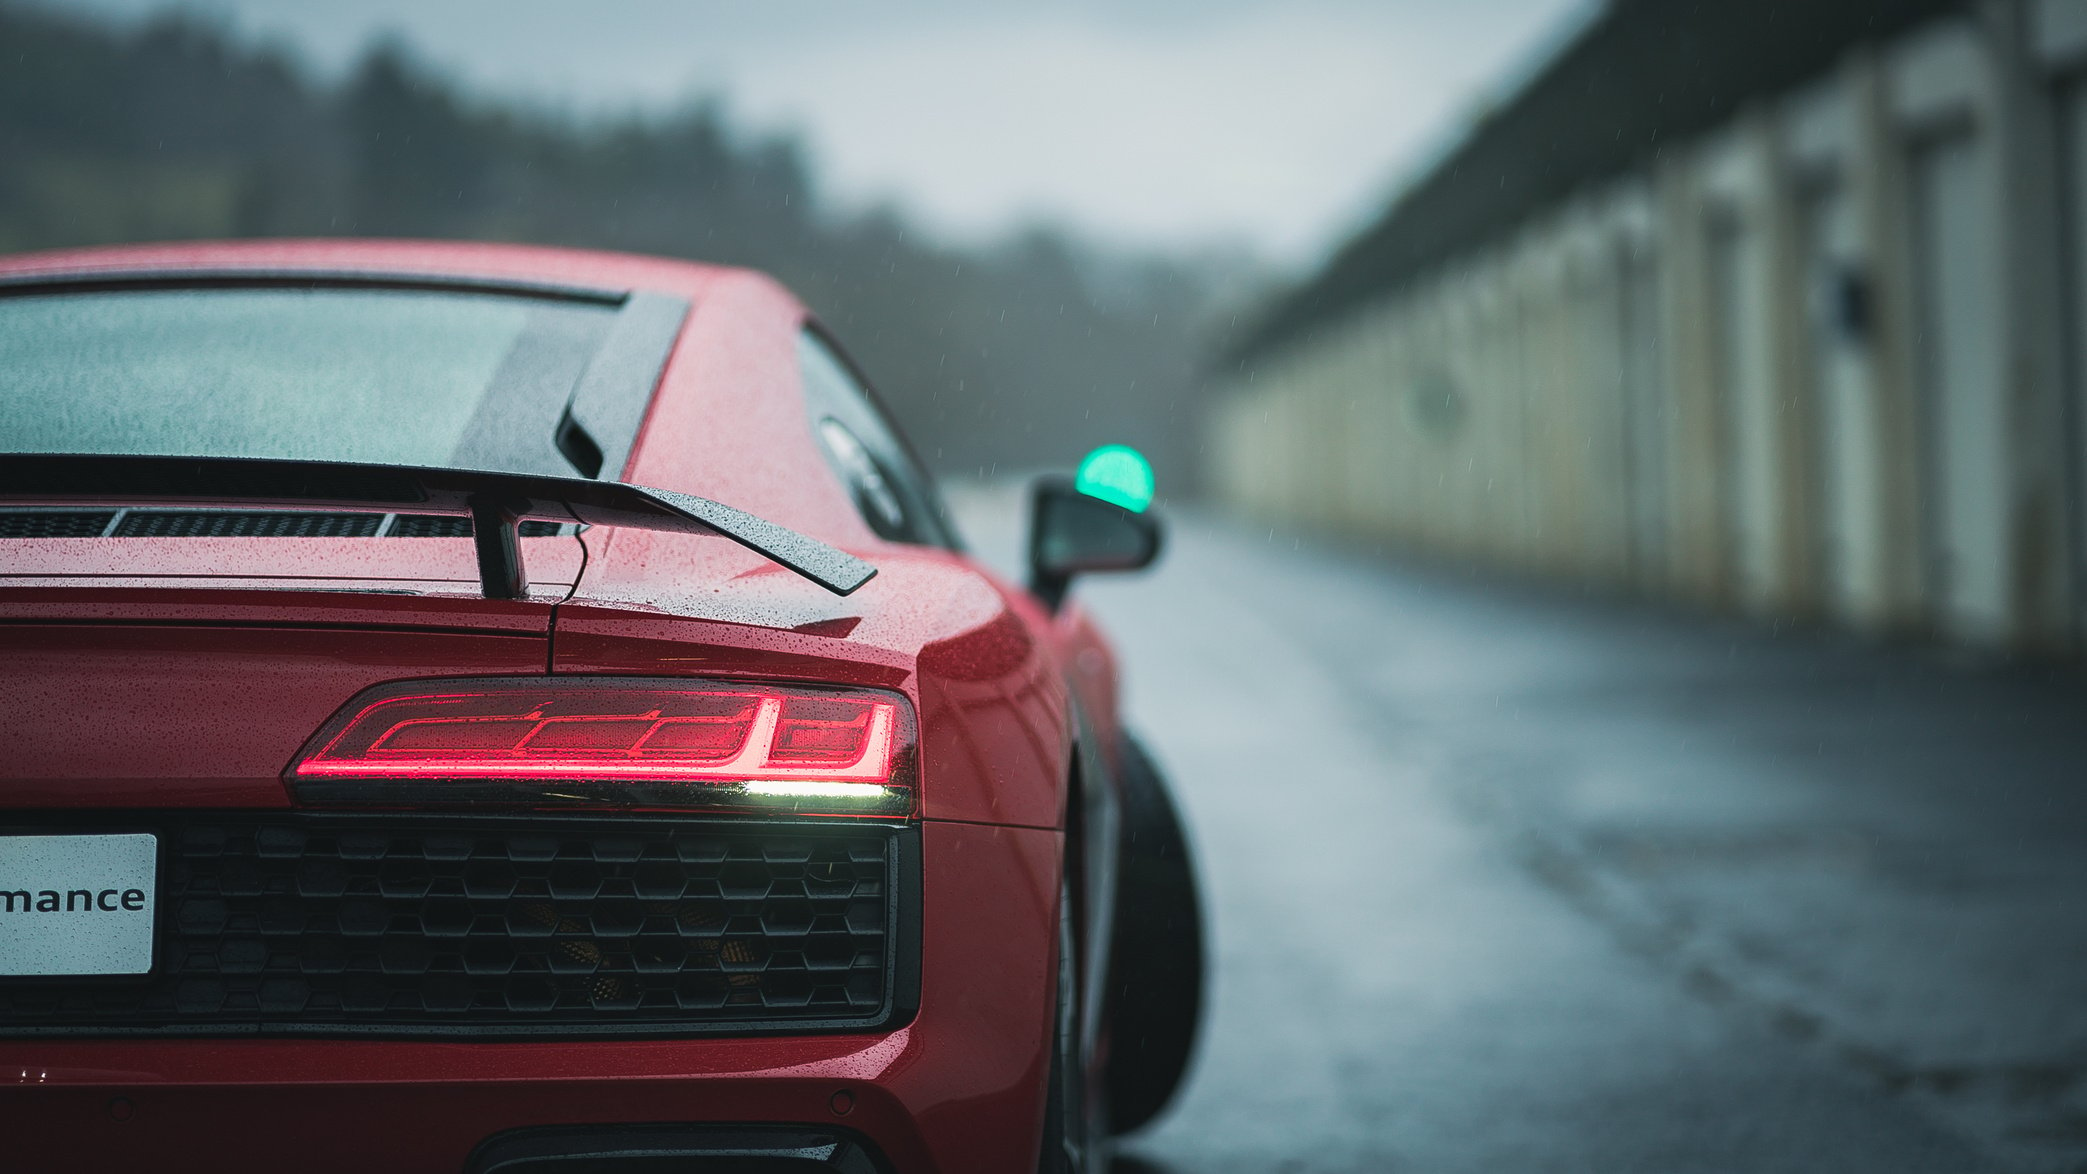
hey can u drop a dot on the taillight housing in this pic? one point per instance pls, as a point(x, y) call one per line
point(614, 742)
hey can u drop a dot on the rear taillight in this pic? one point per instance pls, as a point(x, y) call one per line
point(621, 743)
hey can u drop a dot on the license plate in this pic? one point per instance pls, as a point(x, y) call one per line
point(77, 905)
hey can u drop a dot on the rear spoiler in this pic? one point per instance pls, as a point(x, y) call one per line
point(495, 503)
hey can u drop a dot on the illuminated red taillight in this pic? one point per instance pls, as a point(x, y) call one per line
point(626, 743)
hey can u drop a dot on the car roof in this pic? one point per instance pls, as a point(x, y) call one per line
point(729, 357)
point(524, 263)
point(734, 360)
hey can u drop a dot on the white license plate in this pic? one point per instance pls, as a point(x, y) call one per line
point(77, 905)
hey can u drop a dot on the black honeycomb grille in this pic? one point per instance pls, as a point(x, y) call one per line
point(448, 526)
point(47, 523)
point(55, 523)
point(268, 524)
point(297, 925)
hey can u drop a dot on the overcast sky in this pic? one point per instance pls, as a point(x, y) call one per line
point(1280, 124)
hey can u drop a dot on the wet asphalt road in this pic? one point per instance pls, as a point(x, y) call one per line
point(1503, 878)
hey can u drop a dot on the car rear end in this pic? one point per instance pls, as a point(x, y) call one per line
point(408, 979)
point(206, 967)
point(312, 855)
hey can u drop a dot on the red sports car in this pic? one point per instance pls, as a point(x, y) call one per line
point(483, 708)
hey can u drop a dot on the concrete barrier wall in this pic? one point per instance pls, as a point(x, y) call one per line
point(1824, 361)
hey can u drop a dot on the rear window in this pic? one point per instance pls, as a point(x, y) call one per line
point(379, 375)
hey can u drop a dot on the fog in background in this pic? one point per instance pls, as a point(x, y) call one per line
point(1143, 122)
point(1034, 227)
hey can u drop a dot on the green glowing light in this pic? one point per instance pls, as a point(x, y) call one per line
point(1118, 474)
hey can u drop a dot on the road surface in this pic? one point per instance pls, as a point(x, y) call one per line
point(1504, 878)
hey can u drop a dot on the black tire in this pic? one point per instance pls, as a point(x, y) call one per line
point(1156, 951)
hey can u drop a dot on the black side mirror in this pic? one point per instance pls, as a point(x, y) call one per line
point(1071, 533)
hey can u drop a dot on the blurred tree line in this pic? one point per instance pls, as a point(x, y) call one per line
point(1013, 356)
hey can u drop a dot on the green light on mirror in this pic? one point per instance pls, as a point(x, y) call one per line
point(1118, 474)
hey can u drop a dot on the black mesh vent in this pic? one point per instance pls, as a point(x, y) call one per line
point(429, 526)
point(54, 523)
point(225, 524)
point(315, 924)
point(229, 524)
point(451, 526)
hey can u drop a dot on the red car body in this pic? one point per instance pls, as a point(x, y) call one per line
point(157, 674)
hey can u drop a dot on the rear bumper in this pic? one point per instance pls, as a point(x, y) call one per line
point(960, 1088)
point(636, 1149)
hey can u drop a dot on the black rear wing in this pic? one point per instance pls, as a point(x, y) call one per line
point(495, 502)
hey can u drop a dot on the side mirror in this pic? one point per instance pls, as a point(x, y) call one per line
point(1073, 533)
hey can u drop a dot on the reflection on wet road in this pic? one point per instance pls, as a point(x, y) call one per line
point(1504, 879)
